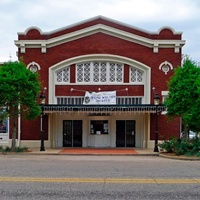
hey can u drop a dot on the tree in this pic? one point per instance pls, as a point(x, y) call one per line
point(19, 88)
point(184, 95)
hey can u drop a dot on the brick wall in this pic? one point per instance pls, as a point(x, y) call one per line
point(100, 43)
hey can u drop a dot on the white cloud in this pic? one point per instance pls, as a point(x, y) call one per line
point(17, 16)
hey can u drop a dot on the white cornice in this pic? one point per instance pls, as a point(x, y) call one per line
point(155, 44)
point(95, 18)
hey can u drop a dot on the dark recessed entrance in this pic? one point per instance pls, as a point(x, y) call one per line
point(125, 133)
point(72, 133)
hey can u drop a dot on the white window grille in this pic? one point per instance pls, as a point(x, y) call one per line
point(103, 72)
point(99, 72)
point(136, 75)
point(79, 100)
point(63, 75)
point(96, 76)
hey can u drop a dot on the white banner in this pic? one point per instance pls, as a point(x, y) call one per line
point(100, 98)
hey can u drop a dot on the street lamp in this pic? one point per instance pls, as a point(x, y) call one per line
point(156, 103)
point(42, 103)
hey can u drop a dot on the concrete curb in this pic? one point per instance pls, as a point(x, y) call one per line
point(76, 154)
point(82, 152)
point(180, 157)
point(91, 154)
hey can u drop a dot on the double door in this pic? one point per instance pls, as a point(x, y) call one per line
point(125, 133)
point(72, 133)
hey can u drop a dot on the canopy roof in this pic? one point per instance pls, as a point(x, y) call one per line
point(103, 109)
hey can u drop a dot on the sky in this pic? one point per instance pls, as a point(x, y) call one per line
point(18, 15)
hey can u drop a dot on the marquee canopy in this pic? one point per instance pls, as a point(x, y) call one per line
point(102, 109)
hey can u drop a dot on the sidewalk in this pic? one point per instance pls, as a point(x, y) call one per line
point(103, 152)
point(93, 151)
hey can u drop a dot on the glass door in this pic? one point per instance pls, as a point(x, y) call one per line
point(125, 133)
point(72, 133)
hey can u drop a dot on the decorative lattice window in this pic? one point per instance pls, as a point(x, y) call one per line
point(103, 72)
point(136, 75)
point(83, 72)
point(96, 69)
point(62, 76)
point(116, 72)
point(99, 72)
point(119, 73)
point(86, 71)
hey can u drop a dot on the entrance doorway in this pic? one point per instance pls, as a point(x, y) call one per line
point(72, 133)
point(125, 133)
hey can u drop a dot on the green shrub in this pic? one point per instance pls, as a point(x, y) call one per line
point(21, 149)
point(17, 149)
point(169, 146)
point(198, 154)
point(182, 146)
point(195, 144)
point(166, 146)
point(7, 149)
point(190, 154)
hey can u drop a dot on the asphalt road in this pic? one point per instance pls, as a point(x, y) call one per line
point(97, 177)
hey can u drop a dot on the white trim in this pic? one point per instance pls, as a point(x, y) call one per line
point(165, 64)
point(33, 63)
point(169, 28)
point(164, 93)
point(19, 127)
point(154, 44)
point(103, 18)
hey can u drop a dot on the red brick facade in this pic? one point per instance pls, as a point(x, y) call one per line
point(102, 36)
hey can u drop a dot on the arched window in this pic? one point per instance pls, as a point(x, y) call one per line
point(33, 67)
point(165, 67)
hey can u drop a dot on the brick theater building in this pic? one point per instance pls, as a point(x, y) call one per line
point(101, 77)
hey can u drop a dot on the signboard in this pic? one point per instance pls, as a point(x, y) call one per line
point(100, 98)
point(3, 123)
point(3, 126)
